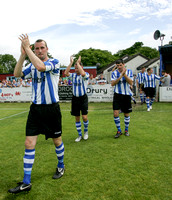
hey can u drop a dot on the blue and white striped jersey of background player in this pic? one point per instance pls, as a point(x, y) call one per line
point(79, 81)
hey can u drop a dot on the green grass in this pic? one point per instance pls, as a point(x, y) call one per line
point(103, 168)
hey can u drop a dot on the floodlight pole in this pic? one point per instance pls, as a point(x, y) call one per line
point(161, 38)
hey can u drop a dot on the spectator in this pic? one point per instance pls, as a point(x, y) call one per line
point(0, 83)
point(9, 84)
point(65, 82)
point(102, 80)
point(61, 81)
point(21, 83)
point(165, 79)
point(4, 84)
point(14, 83)
point(28, 83)
point(91, 80)
point(69, 82)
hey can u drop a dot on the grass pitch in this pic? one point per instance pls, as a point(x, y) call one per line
point(103, 168)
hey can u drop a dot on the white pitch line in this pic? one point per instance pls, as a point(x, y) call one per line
point(13, 115)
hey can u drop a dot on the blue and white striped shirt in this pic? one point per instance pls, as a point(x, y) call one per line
point(122, 87)
point(79, 84)
point(149, 80)
point(44, 84)
point(140, 77)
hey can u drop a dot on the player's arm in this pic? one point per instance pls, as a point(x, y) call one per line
point(40, 66)
point(69, 66)
point(129, 80)
point(80, 69)
point(18, 68)
point(114, 82)
point(137, 83)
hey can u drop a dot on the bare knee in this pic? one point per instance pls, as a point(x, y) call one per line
point(116, 113)
point(77, 118)
point(57, 141)
point(30, 142)
point(84, 117)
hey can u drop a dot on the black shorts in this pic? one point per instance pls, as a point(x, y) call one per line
point(150, 92)
point(44, 119)
point(141, 86)
point(79, 104)
point(122, 102)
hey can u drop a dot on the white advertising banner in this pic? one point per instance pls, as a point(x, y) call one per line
point(100, 93)
point(165, 94)
point(96, 93)
point(15, 94)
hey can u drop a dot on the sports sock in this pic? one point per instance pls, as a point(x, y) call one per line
point(151, 101)
point(147, 102)
point(86, 126)
point(141, 97)
point(60, 155)
point(117, 122)
point(28, 163)
point(126, 122)
point(78, 127)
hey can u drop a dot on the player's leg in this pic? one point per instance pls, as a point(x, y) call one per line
point(28, 160)
point(75, 111)
point(152, 97)
point(85, 122)
point(116, 109)
point(29, 157)
point(84, 111)
point(126, 122)
point(148, 103)
point(126, 108)
point(59, 149)
point(141, 95)
point(117, 123)
point(78, 128)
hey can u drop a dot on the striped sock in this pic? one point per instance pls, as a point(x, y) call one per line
point(141, 97)
point(86, 126)
point(78, 127)
point(117, 122)
point(60, 155)
point(28, 163)
point(151, 101)
point(147, 102)
point(126, 122)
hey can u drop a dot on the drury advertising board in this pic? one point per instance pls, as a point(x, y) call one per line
point(96, 93)
point(165, 94)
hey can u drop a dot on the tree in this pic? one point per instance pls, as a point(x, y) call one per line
point(149, 52)
point(7, 63)
point(138, 48)
point(95, 57)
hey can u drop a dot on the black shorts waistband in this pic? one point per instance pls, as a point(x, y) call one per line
point(45, 105)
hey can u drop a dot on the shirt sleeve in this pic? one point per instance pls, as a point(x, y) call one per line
point(87, 75)
point(157, 77)
point(51, 65)
point(130, 74)
point(113, 76)
point(27, 71)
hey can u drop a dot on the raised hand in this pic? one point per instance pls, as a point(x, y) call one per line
point(25, 41)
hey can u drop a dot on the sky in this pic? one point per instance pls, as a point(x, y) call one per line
point(69, 26)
